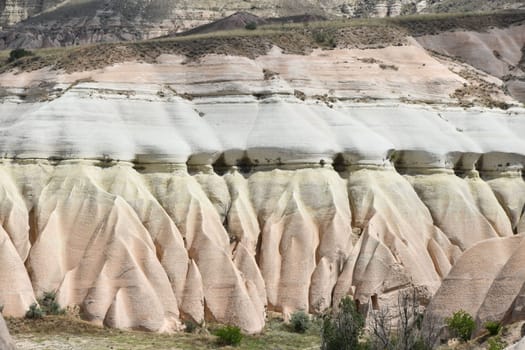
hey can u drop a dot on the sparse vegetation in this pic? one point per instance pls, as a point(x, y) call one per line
point(495, 343)
point(294, 38)
point(493, 327)
point(370, 60)
point(461, 324)
point(325, 37)
point(52, 332)
point(49, 304)
point(342, 328)
point(457, 6)
point(404, 326)
point(300, 321)
point(388, 66)
point(34, 312)
point(478, 91)
point(18, 53)
point(229, 335)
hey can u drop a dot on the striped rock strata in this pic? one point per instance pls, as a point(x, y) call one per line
point(153, 193)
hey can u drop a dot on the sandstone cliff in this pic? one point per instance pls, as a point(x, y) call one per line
point(149, 192)
point(495, 291)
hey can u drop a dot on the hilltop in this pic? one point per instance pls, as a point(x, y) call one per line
point(32, 24)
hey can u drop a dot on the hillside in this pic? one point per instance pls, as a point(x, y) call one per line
point(437, 33)
point(32, 23)
point(228, 175)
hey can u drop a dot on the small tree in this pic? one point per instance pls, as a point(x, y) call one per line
point(341, 329)
point(402, 327)
point(300, 321)
point(18, 53)
point(461, 324)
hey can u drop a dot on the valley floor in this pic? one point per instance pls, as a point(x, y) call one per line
point(71, 333)
point(68, 333)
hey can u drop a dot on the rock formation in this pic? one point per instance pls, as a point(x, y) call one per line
point(32, 24)
point(219, 188)
point(494, 292)
point(519, 345)
point(498, 52)
point(6, 343)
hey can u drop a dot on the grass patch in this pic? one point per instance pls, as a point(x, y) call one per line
point(55, 330)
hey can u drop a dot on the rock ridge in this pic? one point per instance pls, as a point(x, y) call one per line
point(150, 193)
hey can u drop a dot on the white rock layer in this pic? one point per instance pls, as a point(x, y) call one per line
point(146, 208)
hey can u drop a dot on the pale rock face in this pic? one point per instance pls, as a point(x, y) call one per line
point(490, 289)
point(229, 296)
point(496, 51)
point(147, 209)
point(519, 345)
point(398, 246)
point(144, 249)
point(510, 191)
point(305, 219)
point(462, 205)
point(6, 342)
point(102, 257)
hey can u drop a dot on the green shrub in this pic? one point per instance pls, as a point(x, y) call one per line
point(340, 330)
point(324, 37)
point(34, 312)
point(18, 53)
point(493, 327)
point(49, 304)
point(251, 26)
point(229, 335)
point(461, 324)
point(300, 321)
point(495, 343)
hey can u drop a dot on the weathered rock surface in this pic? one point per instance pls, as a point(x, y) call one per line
point(32, 24)
point(187, 14)
point(151, 193)
point(519, 345)
point(499, 52)
point(491, 289)
point(6, 343)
